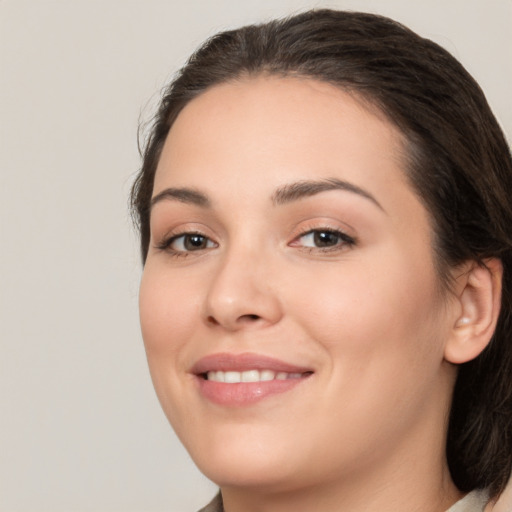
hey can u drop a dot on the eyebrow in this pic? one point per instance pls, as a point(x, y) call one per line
point(284, 194)
point(183, 195)
point(302, 189)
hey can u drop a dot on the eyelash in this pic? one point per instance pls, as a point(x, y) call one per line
point(344, 240)
point(166, 243)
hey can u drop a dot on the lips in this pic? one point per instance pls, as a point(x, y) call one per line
point(243, 379)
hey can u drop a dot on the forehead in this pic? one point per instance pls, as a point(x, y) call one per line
point(239, 142)
point(261, 123)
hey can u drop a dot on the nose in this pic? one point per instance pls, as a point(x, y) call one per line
point(241, 294)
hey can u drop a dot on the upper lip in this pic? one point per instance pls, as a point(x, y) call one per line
point(242, 362)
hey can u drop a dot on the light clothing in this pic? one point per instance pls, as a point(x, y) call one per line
point(473, 502)
point(214, 506)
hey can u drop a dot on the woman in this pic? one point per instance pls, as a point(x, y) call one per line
point(325, 303)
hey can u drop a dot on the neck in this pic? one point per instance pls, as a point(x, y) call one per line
point(399, 494)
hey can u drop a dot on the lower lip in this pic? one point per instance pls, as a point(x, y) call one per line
point(245, 393)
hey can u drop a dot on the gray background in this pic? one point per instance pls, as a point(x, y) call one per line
point(80, 427)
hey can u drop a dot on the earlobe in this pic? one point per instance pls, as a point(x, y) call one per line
point(479, 299)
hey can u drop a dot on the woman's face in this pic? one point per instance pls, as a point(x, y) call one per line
point(290, 258)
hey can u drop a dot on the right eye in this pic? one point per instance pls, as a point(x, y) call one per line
point(184, 243)
point(190, 242)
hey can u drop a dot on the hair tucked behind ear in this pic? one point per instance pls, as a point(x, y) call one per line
point(459, 165)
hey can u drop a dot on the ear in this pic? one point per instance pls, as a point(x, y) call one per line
point(478, 297)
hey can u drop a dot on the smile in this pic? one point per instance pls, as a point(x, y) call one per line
point(250, 376)
point(236, 380)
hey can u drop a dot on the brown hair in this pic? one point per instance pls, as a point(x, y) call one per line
point(458, 162)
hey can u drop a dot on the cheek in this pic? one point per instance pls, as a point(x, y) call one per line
point(168, 311)
point(388, 309)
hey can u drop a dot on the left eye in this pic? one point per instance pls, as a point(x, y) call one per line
point(324, 238)
point(190, 242)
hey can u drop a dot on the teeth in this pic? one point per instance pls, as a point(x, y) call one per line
point(250, 376)
point(232, 377)
point(267, 375)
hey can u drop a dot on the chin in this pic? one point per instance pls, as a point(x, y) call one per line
point(269, 476)
point(239, 461)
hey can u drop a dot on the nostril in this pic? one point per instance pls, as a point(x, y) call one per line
point(233, 322)
point(250, 317)
point(211, 320)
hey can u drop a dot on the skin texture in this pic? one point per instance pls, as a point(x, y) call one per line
point(365, 431)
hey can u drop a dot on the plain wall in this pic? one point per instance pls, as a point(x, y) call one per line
point(80, 427)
